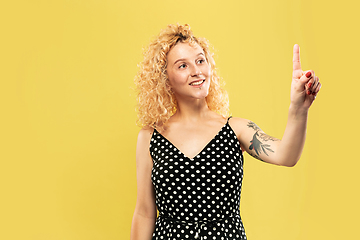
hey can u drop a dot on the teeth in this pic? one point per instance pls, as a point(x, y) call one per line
point(197, 83)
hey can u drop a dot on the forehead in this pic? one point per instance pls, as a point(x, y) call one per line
point(184, 51)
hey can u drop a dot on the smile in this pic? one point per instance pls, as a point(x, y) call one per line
point(197, 83)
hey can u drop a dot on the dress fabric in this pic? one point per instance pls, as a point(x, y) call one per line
point(198, 198)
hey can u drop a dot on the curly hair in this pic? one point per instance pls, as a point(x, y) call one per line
point(155, 102)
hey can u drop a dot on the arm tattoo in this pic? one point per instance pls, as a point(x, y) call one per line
point(253, 126)
point(256, 144)
point(263, 136)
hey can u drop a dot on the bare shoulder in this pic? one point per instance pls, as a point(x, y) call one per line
point(143, 144)
point(145, 134)
point(238, 125)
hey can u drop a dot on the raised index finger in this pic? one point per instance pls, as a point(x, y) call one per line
point(296, 58)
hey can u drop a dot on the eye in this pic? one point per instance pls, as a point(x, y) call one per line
point(182, 65)
point(200, 61)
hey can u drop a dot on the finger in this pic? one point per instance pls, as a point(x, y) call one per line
point(311, 80)
point(317, 89)
point(296, 57)
point(306, 81)
point(308, 78)
point(315, 84)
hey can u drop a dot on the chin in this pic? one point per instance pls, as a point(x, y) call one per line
point(203, 95)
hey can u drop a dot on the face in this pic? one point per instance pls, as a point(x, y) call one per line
point(188, 71)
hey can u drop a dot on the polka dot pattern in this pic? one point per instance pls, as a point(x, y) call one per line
point(198, 198)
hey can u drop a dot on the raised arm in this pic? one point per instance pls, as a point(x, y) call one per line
point(143, 222)
point(287, 151)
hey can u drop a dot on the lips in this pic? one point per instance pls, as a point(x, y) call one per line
point(197, 82)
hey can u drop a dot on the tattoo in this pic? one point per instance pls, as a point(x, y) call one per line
point(263, 136)
point(256, 144)
point(257, 157)
point(266, 137)
point(253, 126)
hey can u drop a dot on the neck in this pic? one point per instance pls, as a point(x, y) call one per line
point(192, 111)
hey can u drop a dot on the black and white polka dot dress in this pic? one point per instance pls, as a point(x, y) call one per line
point(198, 198)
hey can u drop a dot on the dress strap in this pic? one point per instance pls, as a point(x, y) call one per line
point(228, 119)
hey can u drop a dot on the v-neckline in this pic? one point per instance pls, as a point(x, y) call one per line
point(227, 121)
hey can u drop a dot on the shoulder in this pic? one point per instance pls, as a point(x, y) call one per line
point(238, 124)
point(143, 159)
point(144, 137)
point(145, 133)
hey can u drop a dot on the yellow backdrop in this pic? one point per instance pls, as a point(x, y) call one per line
point(67, 122)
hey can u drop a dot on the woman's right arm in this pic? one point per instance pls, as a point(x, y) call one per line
point(144, 218)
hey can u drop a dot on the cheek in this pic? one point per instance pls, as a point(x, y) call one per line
point(206, 69)
point(176, 79)
point(208, 72)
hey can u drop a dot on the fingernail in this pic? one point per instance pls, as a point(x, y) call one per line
point(308, 92)
point(313, 93)
point(310, 84)
point(308, 74)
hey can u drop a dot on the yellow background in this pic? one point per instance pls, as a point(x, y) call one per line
point(67, 124)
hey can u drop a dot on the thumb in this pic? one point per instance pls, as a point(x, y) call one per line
point(305, 78)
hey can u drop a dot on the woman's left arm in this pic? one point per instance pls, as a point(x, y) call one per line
point(286, 152)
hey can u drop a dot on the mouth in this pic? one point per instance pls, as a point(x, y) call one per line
point(197, 83)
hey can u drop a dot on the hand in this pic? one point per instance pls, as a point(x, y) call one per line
point(305, 85)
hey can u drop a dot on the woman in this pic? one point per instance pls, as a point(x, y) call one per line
point(189, 152)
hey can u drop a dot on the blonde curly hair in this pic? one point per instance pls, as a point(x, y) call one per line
point(155, 101)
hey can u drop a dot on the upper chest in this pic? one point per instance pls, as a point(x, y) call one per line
point(192, 140)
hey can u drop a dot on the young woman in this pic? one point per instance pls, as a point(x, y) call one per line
point(189, 152)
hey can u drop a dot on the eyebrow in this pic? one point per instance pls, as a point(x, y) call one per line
point(182, 59)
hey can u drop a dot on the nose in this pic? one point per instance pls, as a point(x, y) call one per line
point(195, 71)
